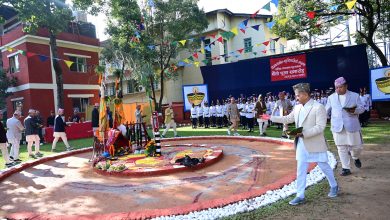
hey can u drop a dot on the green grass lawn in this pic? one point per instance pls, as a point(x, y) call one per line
point(375, 133)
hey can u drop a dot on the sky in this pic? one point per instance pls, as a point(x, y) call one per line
point(236, 6)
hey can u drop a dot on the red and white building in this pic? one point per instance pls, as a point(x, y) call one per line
point(36, 87)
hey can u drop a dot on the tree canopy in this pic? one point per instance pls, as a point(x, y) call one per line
point(303, 18)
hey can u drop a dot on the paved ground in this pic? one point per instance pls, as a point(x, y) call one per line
point(68, 186)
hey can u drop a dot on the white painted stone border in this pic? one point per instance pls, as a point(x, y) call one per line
point(247, 205)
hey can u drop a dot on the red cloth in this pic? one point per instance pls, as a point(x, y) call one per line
point(74, 131)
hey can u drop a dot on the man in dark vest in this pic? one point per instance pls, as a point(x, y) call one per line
point(95, 118)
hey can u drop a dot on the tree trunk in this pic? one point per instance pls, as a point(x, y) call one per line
point(153, 92)
point(378, 51)
point(58, 71)
point(161, 89)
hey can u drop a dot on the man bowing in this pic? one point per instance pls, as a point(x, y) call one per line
point(345, 107)
point(310, 145)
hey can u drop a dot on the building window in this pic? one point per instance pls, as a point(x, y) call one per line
point(112, 91)
point(281, 48)
point(272, 46)
point(130, 87)
point(248, 45)
point(17, 105)
point(79, 64)
point(80, 104)
point(207, 53)
point(225, 50)
point(14, 63)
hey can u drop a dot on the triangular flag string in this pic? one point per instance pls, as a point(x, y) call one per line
point(68, 63)
point(350, 4)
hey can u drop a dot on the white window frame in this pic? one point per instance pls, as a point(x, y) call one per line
point(248, 49)
point(84, 66)
point(15, 68)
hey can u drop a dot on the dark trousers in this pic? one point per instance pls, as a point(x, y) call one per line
point(200, 118)
point(219, 122)
point(225, 121)
point(207, 122)
point(250, 122)
point(213, 121)
point(243, 121)
point(194, 122)
point(363, 118)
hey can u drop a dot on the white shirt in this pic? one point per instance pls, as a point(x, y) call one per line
point(200, 111)
point(206, 111)
point(366, 102)
point(15, 128)
point(342, 99)
point(194, 112)
point(218, 108)
point(250, 110)
point(213, 112)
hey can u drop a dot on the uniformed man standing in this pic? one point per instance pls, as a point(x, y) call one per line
point(206, 115)
point(241, 107)
point(200, 115)
point(213, 114)
point(366, 101)
point(249, 109)
point(345, 107)
point(218, 109)
point(194, 116)
point(14, 135)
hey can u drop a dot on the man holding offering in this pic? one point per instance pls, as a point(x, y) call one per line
point(310, 144)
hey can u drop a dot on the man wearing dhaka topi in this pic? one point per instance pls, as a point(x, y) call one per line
point(345, 107)
point(310, 143)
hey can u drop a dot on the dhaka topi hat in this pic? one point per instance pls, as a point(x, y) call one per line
point(339, 81)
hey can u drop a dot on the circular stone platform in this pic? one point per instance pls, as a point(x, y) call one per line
point(68, 188)
point(139, 165)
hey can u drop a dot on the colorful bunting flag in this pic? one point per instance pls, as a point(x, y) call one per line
point(205, 61)
point(276, 39)
point(264, 51)
point(43, 58)
point(240, 50)
point(196, 63)
point(254, 14)
point(234, 30)
point(296, 19)
point(266, 43)
point(212, 35)
point(68, 63)
point(191, 58)
point(183, 42)
point(22, 52)
point(29, 54)
point(350, 4)
point(174, 43)
point(242, 30)
point(220, 39)
point(186, 60)
point(207, 48)
point(202, 51)
point(9, 49)
point(256, 27)
point(255, 53)
point(267, 6)
point(151, 47)
point(276, 2)
point(270, 24)
point(334, 7)
point(151, 3)
point(246, 22)
point(311, 14)
point(242, 25)
point(195, 55)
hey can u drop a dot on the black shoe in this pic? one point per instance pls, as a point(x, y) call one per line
point(284, 136)
point(345, 172)
point(17, 160)
point(11, 157)
point(264, 134)
point(33, 156)
point(39, 154)
point(10, 164)
point(358, 164)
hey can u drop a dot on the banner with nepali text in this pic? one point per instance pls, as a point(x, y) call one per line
point(288, 68)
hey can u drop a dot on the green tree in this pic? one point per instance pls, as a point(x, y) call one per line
point(145, 35)
point(54, 15)
point(5, 82)
point(375, 16)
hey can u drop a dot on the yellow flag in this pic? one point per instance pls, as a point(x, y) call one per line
point(10, 49)
point(202, 51)
point(196, 63)
point(68, 63)
point(234, 30)
point(186, 60)
point(183, 42)
point(283, 21)
point(350, 4)
point(258, 44)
